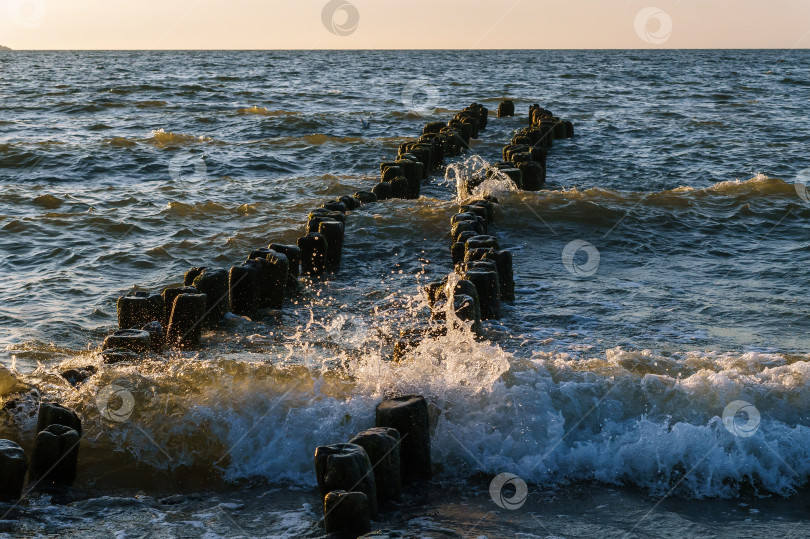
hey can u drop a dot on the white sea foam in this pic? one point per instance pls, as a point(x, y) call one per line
point(625, 417)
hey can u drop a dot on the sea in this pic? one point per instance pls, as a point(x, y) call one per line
point(651, 378)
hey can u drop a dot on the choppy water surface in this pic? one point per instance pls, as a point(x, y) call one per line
point(681, 175)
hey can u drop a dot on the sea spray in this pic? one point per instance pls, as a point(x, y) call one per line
point(473, 171)
point(628, 417)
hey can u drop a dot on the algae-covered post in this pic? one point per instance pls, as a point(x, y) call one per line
point(399, 187)
point(365, 197)
point(335, 205)
point(185, 324)
point(139, 308)
point(243, 283)
point(273, 272)
point(382, 191)
point(350, 202)
point(334, 233)
point(157, 335)
point(409, 416)
point(503, 261)
point(313, 253)
point(346, 513)
point(293, 254)
point(533, 175)
point(487, 285)
point(135, 340)
point(213, 282)
point(169, 295)
point(382, 447)
point(13, 467)
point(54, 457)
point(346, 467)
point(506, 108)
point(51, 413)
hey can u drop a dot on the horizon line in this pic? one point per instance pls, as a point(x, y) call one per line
point(460, 49)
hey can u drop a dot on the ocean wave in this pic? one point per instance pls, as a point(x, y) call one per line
point(263, 111)
point(11, 146)
point(199, 210)
point(723, 195)
point(163, 138)
point(320, 139)
point(406, 115)
point(759, 186)
point(78, 108)
point(135, 88)
point(49, 202)
point(755, 201)
point(795, 82)
point(151, 104)
point(120, 142)
point(627, 418)
point(13, 156)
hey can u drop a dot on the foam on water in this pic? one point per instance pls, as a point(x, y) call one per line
point(628, 417)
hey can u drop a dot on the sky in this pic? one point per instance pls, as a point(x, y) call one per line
point(410, 24)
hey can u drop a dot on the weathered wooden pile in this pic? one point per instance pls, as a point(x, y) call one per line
point(356, 477)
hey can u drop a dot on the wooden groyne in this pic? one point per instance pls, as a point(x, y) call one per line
point(354, 476)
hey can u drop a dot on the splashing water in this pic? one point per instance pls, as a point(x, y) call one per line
point(473, 170)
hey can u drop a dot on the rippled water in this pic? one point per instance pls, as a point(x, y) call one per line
point(681, 175)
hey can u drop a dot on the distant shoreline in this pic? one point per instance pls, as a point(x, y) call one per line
point(4, 48)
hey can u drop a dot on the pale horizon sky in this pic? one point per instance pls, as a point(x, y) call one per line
point(417, 24)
